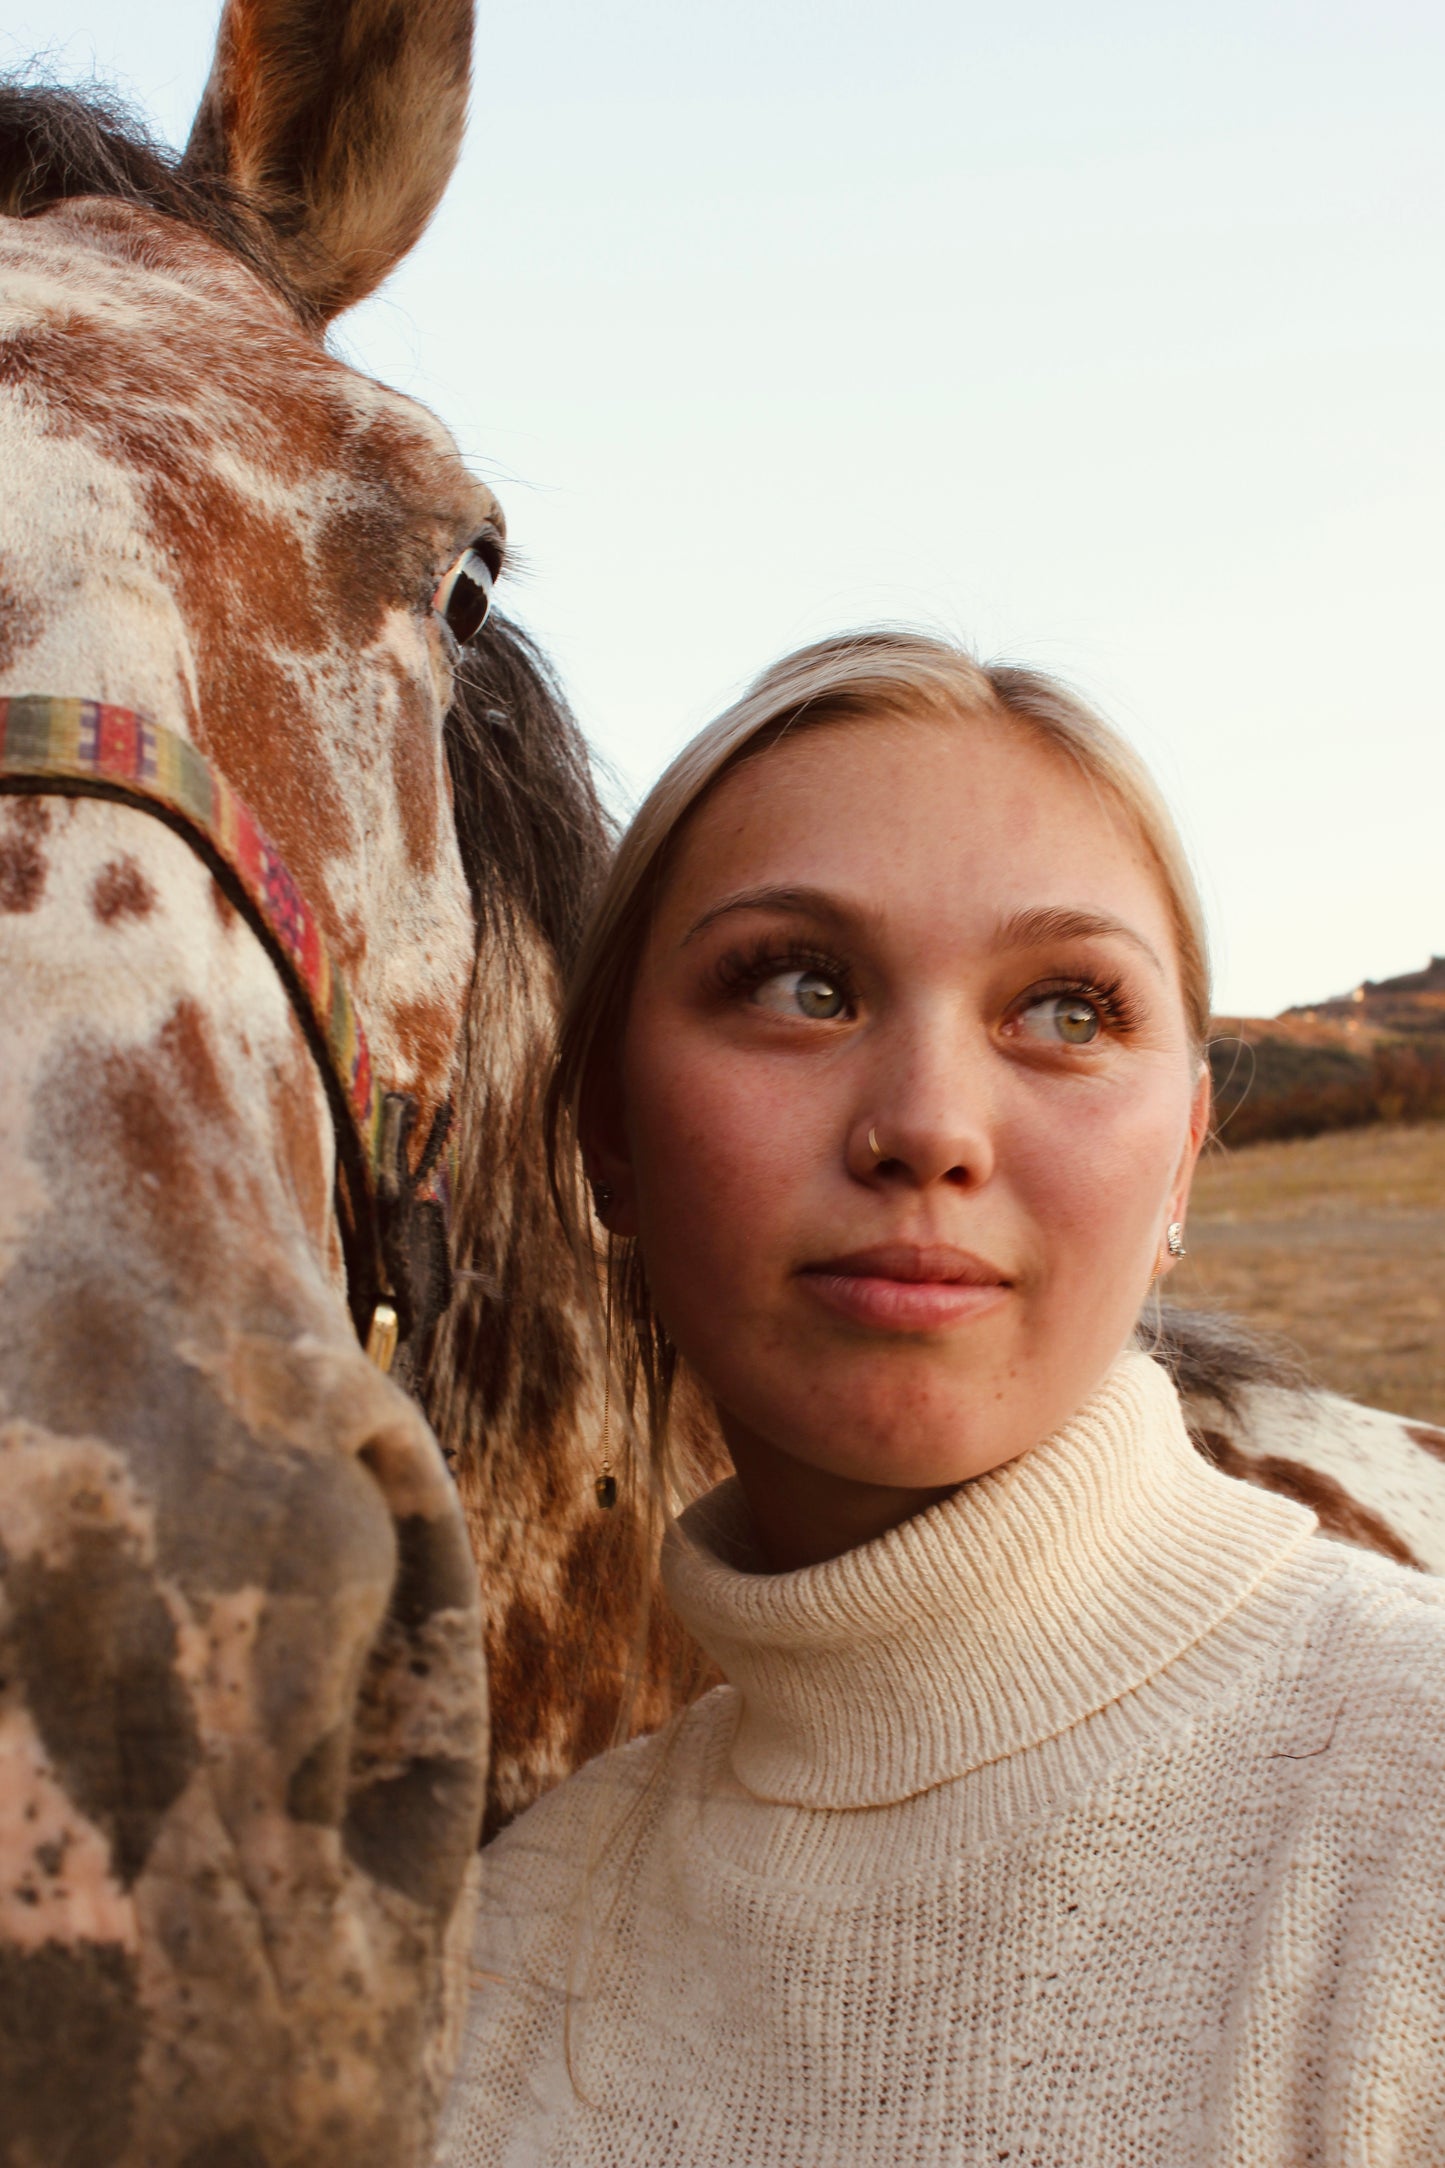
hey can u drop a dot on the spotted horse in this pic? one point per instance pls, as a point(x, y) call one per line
point(242, 1696)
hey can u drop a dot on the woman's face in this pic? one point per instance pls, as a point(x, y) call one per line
point(907, 1104)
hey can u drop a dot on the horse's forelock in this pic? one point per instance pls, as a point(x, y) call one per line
point(58, 143)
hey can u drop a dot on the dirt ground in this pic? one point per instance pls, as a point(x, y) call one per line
point(1337, 1242)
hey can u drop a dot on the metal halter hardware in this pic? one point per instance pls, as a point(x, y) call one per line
point(392, 1217)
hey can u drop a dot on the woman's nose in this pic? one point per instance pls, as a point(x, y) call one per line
point(927, 1118)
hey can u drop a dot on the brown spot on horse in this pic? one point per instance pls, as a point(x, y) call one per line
point(415, 756)
point(1337, 1512)
point(18, 623)
point(84, 1999)
point(1428, 1438)
point(22, 861)
point(303, 1158)
point(121, 890)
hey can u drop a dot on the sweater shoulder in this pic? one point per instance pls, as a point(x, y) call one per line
point(1380, 1603)
point(1375, 1652)
point(576, 1827)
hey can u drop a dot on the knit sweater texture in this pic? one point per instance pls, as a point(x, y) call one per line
point(1094, 1816)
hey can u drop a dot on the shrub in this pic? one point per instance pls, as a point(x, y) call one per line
point(1278, 1088)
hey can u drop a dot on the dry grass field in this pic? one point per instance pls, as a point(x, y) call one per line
point(1337, 1242)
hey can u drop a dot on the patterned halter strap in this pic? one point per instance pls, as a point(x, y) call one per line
point(392, 1216)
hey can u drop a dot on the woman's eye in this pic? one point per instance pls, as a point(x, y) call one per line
point(1062, 1020)
point(802, 993)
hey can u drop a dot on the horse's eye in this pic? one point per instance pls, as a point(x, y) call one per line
point(464, 592)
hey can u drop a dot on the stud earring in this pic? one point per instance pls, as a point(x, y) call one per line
point(602, 1196)
point(1175, 1239)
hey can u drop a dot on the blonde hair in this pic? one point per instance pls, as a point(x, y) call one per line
point(858, 677)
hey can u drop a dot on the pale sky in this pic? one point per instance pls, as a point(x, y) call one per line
point(1111, 339)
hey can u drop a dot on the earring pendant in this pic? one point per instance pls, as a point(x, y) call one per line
point(604, 1483)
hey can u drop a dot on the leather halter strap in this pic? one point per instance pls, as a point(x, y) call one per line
point(392, 1216)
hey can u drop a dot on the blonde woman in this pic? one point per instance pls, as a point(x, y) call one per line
point(1067, 1802)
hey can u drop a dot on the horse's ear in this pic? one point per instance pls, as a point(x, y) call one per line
point(339, 122)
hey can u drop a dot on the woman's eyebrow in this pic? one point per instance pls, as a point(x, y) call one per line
point(813, 903)
point(1035, 929)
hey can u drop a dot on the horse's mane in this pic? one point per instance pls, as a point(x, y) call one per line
point(57, 143)
point(1214, 1357)
point(534, 838)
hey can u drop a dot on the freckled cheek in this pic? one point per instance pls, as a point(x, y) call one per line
point(721, 1172)
point(1094, 1177)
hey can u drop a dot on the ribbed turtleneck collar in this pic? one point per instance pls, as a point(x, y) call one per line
point(1023, 1603)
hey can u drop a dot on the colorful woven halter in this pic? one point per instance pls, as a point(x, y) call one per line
point(392, 1217)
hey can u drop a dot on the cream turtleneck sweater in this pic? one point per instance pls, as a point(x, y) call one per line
point(1094, 1818)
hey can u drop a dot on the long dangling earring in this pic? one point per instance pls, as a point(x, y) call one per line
point(1175, 1239)
point(604, 1483)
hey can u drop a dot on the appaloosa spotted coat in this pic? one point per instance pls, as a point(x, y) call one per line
point(242, 1711)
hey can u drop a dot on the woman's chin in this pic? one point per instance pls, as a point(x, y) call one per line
point(915, 1457)
point(917, 1474)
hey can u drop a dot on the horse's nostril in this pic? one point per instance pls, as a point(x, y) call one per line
point(417, 1763)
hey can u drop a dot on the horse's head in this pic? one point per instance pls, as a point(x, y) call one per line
point(241, 1707)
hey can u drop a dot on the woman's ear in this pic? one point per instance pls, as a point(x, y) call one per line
point(1200, 1108)
point(607, 1151)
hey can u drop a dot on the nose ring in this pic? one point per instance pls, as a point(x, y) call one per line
point(873, 1145)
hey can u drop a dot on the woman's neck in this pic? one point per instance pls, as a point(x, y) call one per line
point(803, 1514)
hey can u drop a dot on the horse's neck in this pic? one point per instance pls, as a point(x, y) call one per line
point(1374, 1480)
point(515, 1390)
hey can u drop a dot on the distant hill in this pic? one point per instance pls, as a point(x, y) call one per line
point(1411, 1004)
point(1376, 1054)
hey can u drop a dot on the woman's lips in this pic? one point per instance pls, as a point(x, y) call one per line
point(897, 1287)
